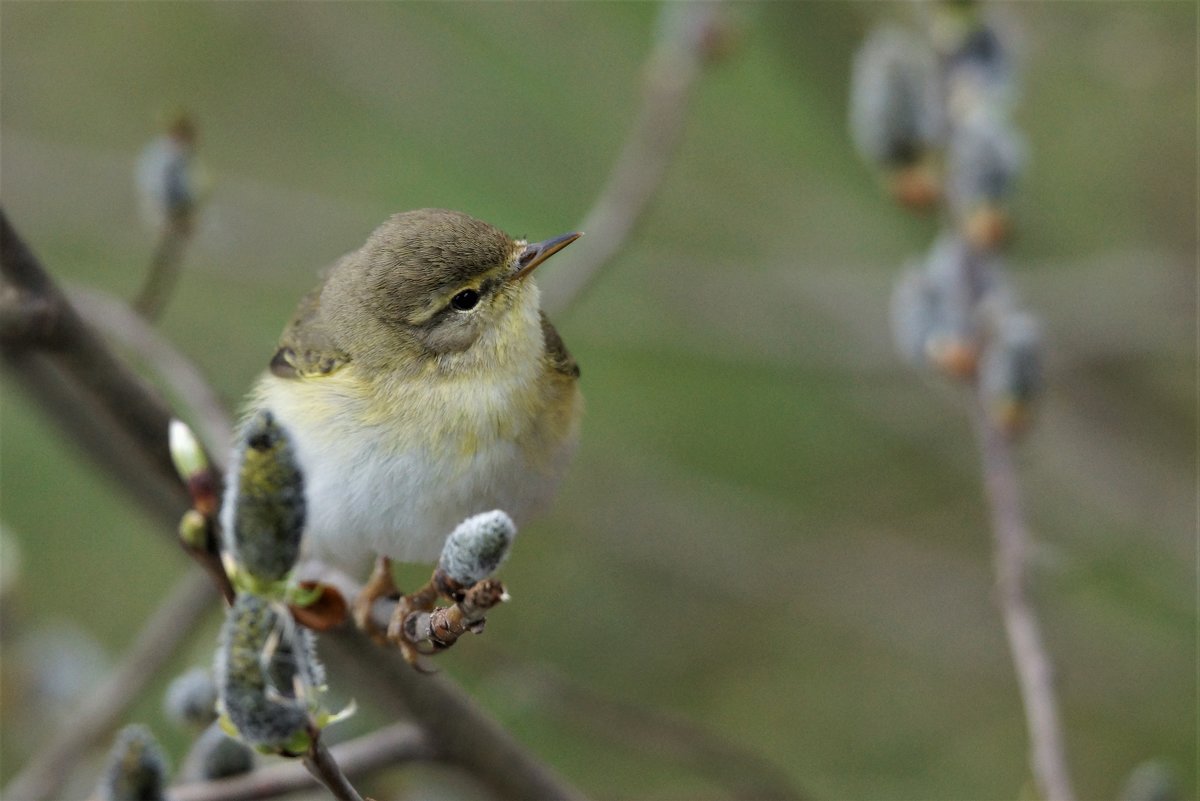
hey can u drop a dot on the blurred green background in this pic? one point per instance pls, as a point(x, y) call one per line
point(773, 529)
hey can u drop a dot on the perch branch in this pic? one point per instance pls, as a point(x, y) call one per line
point(153, 648)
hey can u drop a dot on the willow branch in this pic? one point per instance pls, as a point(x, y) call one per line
point(325, 769)
point(456, 726)
point(388, 747)
point(155, 646)
point(1035, 672)
point(671, 71)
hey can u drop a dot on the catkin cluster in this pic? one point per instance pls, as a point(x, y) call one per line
point(932, 112)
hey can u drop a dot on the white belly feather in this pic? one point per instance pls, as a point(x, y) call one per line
point(375, 484)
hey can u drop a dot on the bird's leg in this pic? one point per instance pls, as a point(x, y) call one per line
point(379, 585)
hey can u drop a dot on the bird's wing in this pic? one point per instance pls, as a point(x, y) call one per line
point(559, 358)
point(306, 347)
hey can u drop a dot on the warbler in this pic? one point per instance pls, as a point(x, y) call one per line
point(420, 383)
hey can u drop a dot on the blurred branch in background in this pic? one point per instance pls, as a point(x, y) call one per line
point(170, 187)
point(690, 37)
point(185, 383)
point(389, 747)
point(174, 621)
point(121, 422)
point(943, 104)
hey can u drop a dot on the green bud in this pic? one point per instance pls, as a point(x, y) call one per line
point(136, 769)
point(193, 530)
point(186, 451)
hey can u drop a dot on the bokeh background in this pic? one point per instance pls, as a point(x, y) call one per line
point(773, 530)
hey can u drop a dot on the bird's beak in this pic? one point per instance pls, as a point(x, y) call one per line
point(537, 252)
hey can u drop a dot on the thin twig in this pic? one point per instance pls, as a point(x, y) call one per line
point(674, 64)
point(164, 266)
point(388, 747)
point(157, 643)
point(187, 385)
point(1035, 673)
point(325, 769)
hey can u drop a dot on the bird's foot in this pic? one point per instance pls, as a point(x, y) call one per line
point(423, 600)
point(379, 585)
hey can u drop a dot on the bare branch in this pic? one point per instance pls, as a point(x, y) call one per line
point(1035, 673)
point(682, 49)
point(154, 647)
point(164, 267)
point(392, 746)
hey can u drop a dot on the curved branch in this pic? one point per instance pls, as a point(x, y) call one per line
point(684, 45)
point(187, 384)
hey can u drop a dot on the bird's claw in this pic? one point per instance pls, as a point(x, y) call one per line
point(420, 601)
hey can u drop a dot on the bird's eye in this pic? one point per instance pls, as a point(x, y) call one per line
point(465, 300)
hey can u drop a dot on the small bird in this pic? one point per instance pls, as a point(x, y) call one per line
point(420, 384)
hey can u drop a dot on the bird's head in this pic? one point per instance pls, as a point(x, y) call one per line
point(433, 283)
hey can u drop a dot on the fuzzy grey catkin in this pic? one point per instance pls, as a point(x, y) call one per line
point(476, 548)
point(266, 668)
point(1011, 369)
point(191, 699)
point(216, 755)
point(895, 115)
point(264, 511)
point(136, 769)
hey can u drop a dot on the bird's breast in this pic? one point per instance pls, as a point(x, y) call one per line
point(392, 466)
